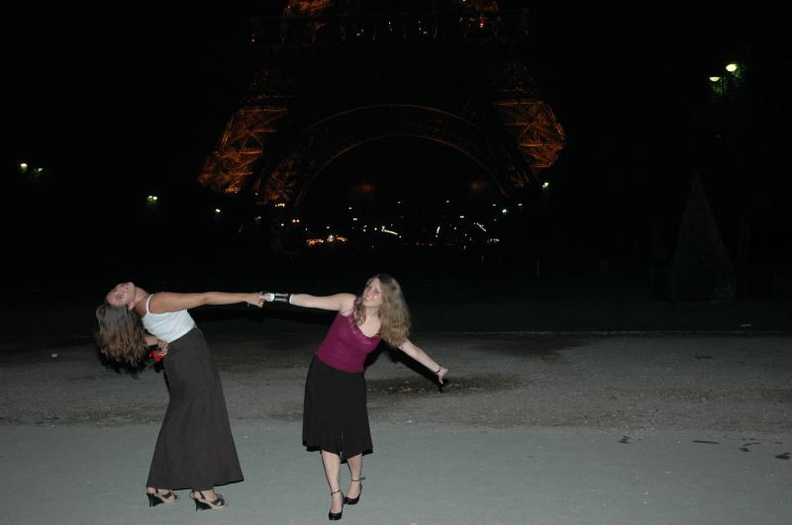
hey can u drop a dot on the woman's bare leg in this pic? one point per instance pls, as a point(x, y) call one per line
point(332, 466)
point(355, 464)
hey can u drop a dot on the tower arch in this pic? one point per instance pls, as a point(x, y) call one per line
point(333, 77)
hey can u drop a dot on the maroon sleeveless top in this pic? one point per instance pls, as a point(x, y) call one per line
point(345, 347)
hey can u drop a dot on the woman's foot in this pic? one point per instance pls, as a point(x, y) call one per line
point(208, 499)
point(337, 507)
point(157, 496)
point(353, 494)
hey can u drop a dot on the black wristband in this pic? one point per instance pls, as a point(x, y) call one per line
point(281, 298)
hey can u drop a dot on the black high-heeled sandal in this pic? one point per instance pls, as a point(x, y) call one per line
point(157, 497)
point(204, 504)
point(353, 501)
point(335, 516)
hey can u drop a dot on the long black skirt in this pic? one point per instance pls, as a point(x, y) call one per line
point(335, 417)
point(195, 448)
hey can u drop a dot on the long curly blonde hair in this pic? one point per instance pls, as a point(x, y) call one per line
point(394, 314)
point(119, 334)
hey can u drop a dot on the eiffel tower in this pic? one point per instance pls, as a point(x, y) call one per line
point(337, 74)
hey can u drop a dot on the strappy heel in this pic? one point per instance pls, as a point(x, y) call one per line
point(335, 516)
point(353, 501)
point(157, 497)
point(204, 504)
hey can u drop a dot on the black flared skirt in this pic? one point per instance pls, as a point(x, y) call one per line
point(195, 448)
point(335, 417)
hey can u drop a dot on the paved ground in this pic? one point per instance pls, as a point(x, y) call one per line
point(534, 429)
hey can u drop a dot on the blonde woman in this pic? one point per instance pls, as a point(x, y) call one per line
point(335, 416)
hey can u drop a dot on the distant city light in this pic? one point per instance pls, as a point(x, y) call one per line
point(24, 167)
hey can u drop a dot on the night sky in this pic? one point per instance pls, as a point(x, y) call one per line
point(118, 103)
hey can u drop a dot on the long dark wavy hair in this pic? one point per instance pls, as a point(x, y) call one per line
point(119, 334)
point(394, 314)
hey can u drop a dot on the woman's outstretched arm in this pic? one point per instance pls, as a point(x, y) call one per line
point(172, 301)
point(409, 348)
point(339, 302)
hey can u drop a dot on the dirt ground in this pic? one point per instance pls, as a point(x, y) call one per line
point(637, 382)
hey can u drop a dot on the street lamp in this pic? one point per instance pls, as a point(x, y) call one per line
point(723, 84)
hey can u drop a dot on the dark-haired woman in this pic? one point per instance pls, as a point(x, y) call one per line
point(195, 448)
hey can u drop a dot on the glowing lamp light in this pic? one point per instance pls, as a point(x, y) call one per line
point(151, 200)
point(714, 79)
point(731, 68)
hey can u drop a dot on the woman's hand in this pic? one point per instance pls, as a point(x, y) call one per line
point(256, 299)
point(162, 347)
point(441, 374)
point(159, 352)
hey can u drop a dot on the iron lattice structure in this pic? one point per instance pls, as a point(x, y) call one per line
point(334, 76)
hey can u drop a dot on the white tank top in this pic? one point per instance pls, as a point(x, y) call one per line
point(167, 326)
